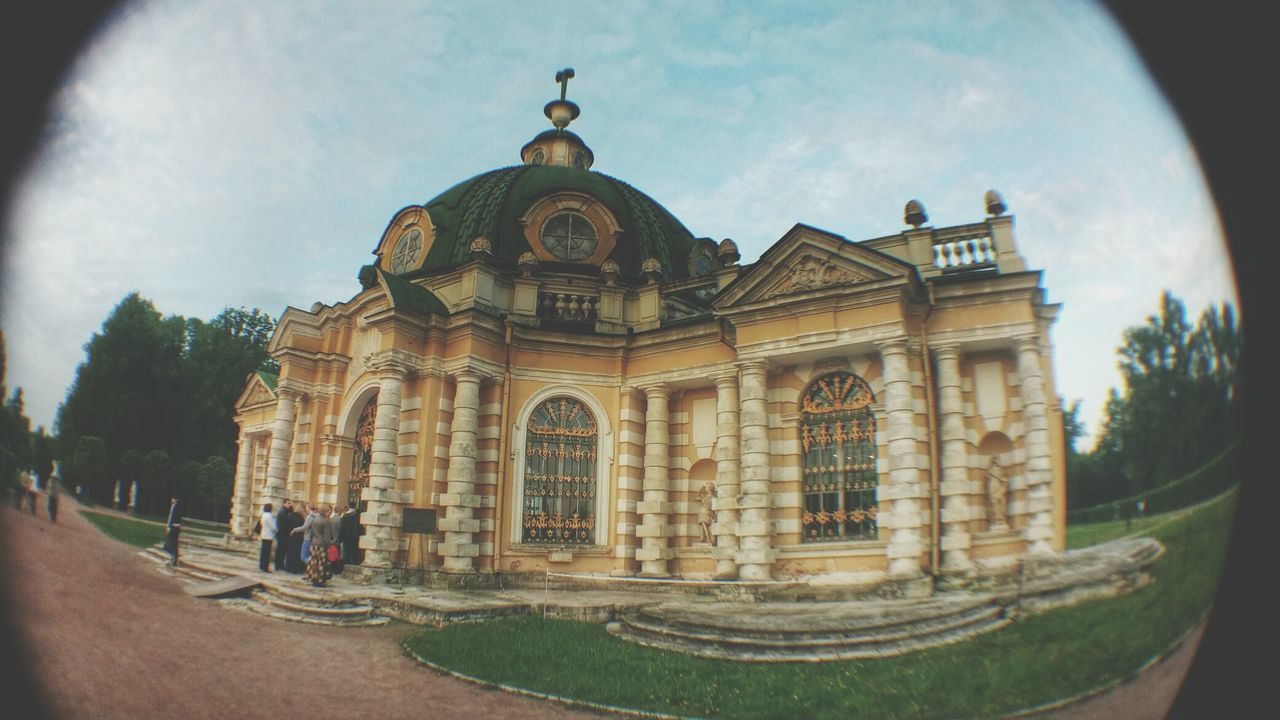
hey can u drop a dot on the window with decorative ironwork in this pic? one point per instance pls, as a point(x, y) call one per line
point(838, 436)
point(362, 453)
point(560, 474)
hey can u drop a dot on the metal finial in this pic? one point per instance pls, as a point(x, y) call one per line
point(562, 77)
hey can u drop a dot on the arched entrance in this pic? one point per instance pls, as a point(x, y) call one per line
point(361, 453)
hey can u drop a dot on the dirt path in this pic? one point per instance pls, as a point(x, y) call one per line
point(109, 637)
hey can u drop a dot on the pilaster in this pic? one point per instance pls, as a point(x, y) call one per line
point(1039, 528)
point(460, 500)
point(755, 551)
point(954, 488)
point(904, 488)
point(654, 550)
point(382, 514)
point(728, 476)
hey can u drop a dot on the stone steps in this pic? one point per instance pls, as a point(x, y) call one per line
point(302, 615)
point(867, 637)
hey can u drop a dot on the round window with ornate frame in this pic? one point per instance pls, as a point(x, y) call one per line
point(570, 236)
point(405, 255)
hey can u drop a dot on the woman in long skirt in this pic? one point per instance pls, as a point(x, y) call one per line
point(321, 534)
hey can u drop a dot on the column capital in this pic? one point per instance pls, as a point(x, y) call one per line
point(946, 351)
point(290, 389)
point(893, 344)
point(727, 380)
point(391, 363)
point(656, 391)
point(1028, 341)
point(754, 366)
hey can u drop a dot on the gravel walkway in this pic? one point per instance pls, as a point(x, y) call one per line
point(107, 636)
point(110, 637)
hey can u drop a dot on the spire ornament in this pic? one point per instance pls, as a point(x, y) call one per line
point(562, 112)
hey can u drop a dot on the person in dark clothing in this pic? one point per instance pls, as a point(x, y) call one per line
point(349, 536)
point(293, 545)
point(286, 521)
point(173, 528)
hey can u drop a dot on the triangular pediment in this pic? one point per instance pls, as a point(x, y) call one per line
point(808, 260)
point(256, 392)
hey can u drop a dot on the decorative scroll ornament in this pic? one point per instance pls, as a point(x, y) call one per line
point(813, 273)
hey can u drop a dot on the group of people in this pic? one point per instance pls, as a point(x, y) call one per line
point(25, 493)
point(315, 542)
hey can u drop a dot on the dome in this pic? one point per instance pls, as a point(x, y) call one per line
point(509, 205)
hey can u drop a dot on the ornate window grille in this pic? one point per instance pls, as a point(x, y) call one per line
point(361, 453)
point(560, 474)
point(838, 436)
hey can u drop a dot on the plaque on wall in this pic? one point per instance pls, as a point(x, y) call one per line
point(421, 521)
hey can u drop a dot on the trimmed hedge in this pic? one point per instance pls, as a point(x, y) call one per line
point(1210, 480)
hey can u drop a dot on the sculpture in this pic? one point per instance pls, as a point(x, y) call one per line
point(997, 497)
point(706, 516)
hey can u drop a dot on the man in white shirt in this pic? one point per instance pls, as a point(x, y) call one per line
point(268, 525)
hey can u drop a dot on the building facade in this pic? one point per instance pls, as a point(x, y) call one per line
point(575, 382)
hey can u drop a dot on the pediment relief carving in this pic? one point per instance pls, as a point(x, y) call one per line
point(259, 394)
point(810, 272)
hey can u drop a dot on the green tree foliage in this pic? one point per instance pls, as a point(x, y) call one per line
point(42, 455)
point(129, 468)
point(159, 481)
point(124, 390)
point(166, 383)
point(189, 483)
point(15, 448)
point(215, 486)
point(89, 468)
point(1178, 410)
point(220, 354)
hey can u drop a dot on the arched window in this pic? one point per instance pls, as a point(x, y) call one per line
point(361, 453)
point(560, 474)
point(838, 435)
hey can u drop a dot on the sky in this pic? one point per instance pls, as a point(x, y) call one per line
point(224, 153)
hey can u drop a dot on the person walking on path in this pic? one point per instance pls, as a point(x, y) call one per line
point(173, 528)
point(268, 525)
point(320, 535)
point(53, 491)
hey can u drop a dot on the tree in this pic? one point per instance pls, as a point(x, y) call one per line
point(1178, 409)
point(215, 484)
point(159, 480)
point(124, 390)
point(89, 467)
point(14, 426)
point(220, 354)
point(189, 482)
point(42, 455)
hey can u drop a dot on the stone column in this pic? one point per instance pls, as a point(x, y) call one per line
point(242, 512)
point(1039, 473)
point(654, 552)
point(904, 487)
point(459, 523)
point(297, 484)
point(281, 447)
point(755, 552)
point(380, 519)
point(725, 504)
point(955, 463)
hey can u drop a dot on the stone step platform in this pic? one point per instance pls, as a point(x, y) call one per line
point(810, 632)
point(182, 571)
point(306, 615)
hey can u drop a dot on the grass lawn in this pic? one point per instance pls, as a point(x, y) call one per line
point(1044, 657)
point(127, 530)
point(143, 532)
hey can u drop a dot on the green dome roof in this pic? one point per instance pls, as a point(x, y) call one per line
point(491, 204)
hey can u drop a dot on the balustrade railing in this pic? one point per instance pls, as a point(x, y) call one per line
point(966, 253)
point(568, 307)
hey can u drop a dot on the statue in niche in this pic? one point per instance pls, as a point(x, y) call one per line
point(706, 516)
point(997, 497)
